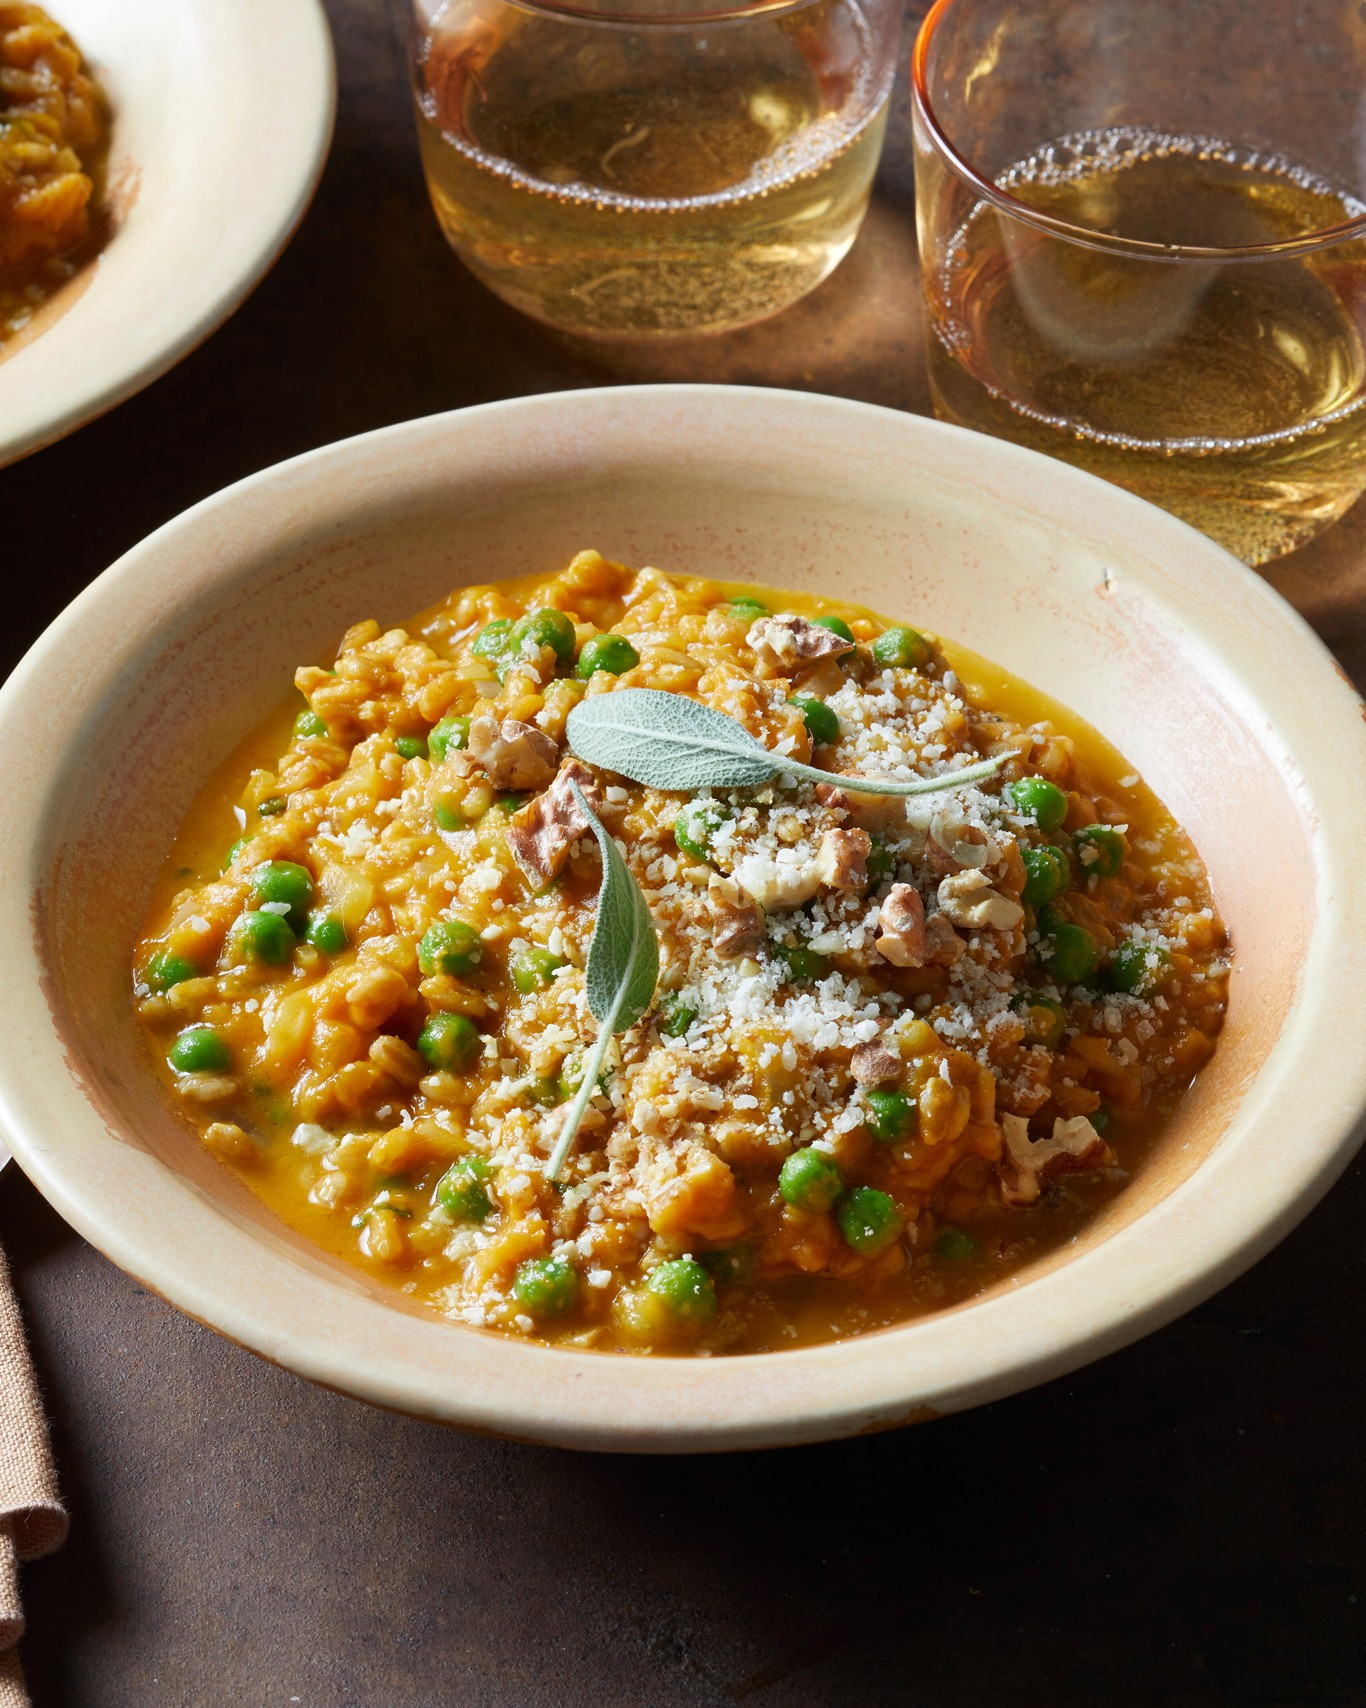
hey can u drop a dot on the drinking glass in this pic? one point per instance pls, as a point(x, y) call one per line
point(650, 167)
point(1143, 236)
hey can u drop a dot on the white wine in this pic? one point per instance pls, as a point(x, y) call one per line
point(636, 182)
point(1230, 392)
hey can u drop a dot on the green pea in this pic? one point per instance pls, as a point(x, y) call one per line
point(821, 723)
point(234, 851)
point(309, 724)
point(546, 1092)
point(901, 648)
point(410, 746)
point(747, 606)
point(732, 1266)
point(1137, 968)
point(282, 881)
point(199, 1049)
point(545, 627)
point(955, 1246)
point(326, 932)
point(677, 1019)
point(461, 1191)
point(1040, 800)
point(494, 640)
point(686, 1289)
point(800, 965)
point(272, 806)
point(1099, 1118)
point(1100, 850)
point(1045, 1020)
point(890, 1114)
point(510, 804)
point(449, 736)
point(612, 653)
point(1047, 874)
point(449, 946)
point(1070, 953)
point(881, 861)
point(696, 825)
point(547, 1286)
point(265, 938)
point(534, 968)
point(450, 1043)
point(165, 969)
point(571, 1075)
point(868, 1220)
point(810, 1180)
point(836, 626)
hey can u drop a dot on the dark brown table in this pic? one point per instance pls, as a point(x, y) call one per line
point(1183, 1523)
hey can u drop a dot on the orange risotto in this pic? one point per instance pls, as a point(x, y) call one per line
point(52, 136)
point(897, 1047)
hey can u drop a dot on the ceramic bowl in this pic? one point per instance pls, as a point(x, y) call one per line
point(1209, 683)
point(222, 113)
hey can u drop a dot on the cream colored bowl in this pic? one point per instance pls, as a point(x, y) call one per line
point(222, 112)
point(1209, 683)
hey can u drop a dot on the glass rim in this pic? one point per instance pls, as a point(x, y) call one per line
point(728, 14)
point(1087, 237)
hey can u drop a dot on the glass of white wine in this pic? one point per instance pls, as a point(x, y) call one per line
point(1143, 242)
point(646, 168)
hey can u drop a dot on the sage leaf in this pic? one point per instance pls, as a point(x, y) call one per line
point(668, 741)
point(621, 974)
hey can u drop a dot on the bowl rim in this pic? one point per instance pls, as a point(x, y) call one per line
point(1099, 1301)
point(301, 82)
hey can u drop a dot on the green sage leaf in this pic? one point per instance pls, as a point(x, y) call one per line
point(621, 974)
point(668, 741)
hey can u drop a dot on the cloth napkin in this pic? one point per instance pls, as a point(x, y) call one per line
point(32, 1520)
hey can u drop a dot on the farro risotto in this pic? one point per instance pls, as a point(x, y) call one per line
point(53, 132)
point(878, 1051)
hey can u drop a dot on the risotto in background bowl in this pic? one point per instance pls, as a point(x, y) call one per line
point(1210, 688)
point(208, 153)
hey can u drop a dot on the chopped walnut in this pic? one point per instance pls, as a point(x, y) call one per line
point(542, 833)
point(968, 898)
point(843, 859)
point(875, 1063)
point(738, 927)
point(883, 815)
point(901, 927)
point(784, 643)
point(943, 946)
point(515, 755)
point(954, 845)
point(840, 863)
point(1028, 1165)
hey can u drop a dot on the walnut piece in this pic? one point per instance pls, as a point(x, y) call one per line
point(901, 927)
point(968, 898)
point(842, 862)
point(943, 946)
point(1028, 1165)
point(875, 1063)
point(515, 755)
point(541, 834)
point(783, 643)
point(954, 845)
point(738, 925)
